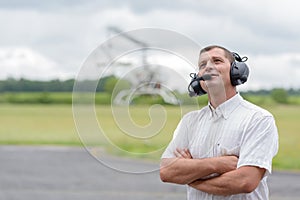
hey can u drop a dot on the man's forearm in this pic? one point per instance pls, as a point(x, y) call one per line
point(221, 185)
point(185, 171)
point(243, 180)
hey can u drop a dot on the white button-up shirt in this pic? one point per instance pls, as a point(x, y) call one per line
point(235, 127)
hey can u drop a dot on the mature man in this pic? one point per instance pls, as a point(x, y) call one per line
point(225, 149)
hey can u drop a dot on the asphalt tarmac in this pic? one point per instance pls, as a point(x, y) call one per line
point(71, 173)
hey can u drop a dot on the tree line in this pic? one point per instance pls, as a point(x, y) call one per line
point(105, 84)
point(58, 91)
point(25, 85)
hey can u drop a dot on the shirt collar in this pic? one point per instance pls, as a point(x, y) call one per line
point(226, 108)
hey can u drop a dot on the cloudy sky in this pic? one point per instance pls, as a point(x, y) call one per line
point(52, 39)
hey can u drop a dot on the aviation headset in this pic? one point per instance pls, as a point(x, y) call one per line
point(239, 73)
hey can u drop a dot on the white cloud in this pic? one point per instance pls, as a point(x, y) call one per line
point(268, 71)
point(64, 34)
point(26, 63)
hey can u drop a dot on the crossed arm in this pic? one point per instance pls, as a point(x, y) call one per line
point(185, 170)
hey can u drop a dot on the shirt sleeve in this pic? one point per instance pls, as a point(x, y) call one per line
point(260, 144)
point(180, 140)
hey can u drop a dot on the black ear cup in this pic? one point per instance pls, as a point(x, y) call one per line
point(239, 71)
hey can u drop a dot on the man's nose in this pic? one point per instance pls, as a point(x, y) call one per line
point(209, 66)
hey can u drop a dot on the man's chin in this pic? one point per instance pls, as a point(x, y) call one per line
point(215, 86)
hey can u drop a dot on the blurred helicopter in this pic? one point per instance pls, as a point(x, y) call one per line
point(143, 76)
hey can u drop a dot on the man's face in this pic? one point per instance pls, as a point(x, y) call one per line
point(215, 63)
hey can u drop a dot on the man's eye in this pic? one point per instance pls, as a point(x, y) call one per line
point(202, 65)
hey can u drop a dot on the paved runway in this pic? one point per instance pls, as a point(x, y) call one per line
point(70, 173)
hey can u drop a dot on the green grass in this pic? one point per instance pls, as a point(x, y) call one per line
point(288, 123)
point(51, 97)
point(37, 124)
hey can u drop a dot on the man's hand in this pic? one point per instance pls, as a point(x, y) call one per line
point(226, 164)
point(182, 153)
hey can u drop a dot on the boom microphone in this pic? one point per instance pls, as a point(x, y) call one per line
point(205, 77)
point(195, 84)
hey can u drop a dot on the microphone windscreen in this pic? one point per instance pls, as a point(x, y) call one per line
point(206, 77)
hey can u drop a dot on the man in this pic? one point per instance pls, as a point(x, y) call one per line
point(224, 150)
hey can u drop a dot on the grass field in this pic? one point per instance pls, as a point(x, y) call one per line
point(38, 124)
